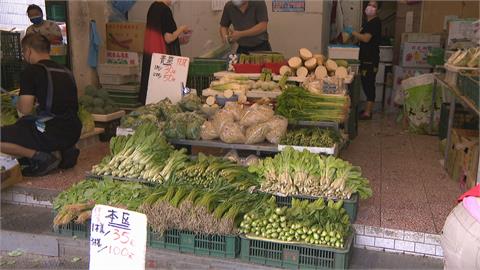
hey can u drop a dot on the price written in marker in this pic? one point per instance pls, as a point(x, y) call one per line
point(167, 73)
point(118, 239)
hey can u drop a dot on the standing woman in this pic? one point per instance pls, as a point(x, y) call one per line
point(46, 28)
point(161, 36)
point(369, 40)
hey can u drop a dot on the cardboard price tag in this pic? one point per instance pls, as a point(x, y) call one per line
point(118, 239)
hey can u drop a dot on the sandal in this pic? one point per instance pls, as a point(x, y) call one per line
point(364, 116)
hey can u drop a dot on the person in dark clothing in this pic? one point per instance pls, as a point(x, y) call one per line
point(250, 22)
point(54, 124)
point(161, 36)
point(369, 40)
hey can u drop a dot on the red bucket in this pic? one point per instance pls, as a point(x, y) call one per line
point(247, 68)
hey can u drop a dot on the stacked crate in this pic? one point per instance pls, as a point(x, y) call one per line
point(122, 84)
point(11, 60)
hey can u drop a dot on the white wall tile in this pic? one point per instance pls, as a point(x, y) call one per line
point(365, 240)
point(373, 231)
point(384, 243)
point(425, 248)
point(439, 251)
point(433, 239)
point(414, 236)
point(394, 234)
point(404, 245)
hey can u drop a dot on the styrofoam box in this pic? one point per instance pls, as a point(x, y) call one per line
point(117, 69)
point(386, 53)
point(315, 150)
point(347, 53)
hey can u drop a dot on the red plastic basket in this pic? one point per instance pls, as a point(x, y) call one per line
point(247, 68)
point(275, 67)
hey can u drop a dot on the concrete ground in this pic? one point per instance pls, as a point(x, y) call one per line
point(26, 219)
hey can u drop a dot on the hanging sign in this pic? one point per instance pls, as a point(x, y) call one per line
point(288, 5)
point(117, 57)
point(118, 239)
point(167, 74)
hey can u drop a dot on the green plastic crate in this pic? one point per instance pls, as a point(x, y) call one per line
point(295, 256)
point(469, 85)
point(73, 229)
point(200, 72)
point(350, 205)
point(224, 246)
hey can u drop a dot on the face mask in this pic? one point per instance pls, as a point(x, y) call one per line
point(237, 2)
point(37, 20)
point(370, 11)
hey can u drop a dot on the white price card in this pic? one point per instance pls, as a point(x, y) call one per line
point(167, 74)
point(118, 239)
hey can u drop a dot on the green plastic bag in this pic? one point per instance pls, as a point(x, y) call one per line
point(418, 104)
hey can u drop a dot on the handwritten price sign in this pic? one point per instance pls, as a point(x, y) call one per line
point(118, 239)
point(167, 73)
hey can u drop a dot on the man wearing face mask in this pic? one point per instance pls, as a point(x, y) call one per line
point(45, 27)
point(250, 20)
point(51, 125)
point(369, 39)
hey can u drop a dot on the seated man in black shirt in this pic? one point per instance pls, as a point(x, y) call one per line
point(48, 107)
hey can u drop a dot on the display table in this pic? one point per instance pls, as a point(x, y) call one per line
point(455, 96)
point(258, 148)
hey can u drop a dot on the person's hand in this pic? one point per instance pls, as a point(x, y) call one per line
point(235, 36)
point(348, 30)
point(184, 29)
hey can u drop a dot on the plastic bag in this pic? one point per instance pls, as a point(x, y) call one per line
point(235, 108)
point(232, 133)
point(232, 155)
point(221, 118)
point(256, 114)
point(418, 103)
point(251, 160)
point(190, 102)
point(208, 131)
point(209, 111)
point(278, 127)
point(256, 134)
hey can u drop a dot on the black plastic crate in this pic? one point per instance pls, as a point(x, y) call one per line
point(295, 256)
point(350, 205)
point(10, 46)
point(11, 71)
point(73, 229)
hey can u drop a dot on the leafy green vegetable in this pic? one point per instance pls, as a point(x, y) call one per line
point(305, 222)
point(303, 173)
point(296, 103)
point(88, 124)
point(314, 137)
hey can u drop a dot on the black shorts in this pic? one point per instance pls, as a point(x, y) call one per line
point(25, 133)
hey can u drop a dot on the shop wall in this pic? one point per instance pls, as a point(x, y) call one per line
point(80, 14)
point(402, 9)
point(434, 13)
point(288, 31)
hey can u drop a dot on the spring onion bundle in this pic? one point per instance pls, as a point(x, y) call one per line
point(296, 103)
point(314, 137)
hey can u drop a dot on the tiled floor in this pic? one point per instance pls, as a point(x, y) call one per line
point(411, 189)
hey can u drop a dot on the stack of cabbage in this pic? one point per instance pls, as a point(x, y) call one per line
point(97, 101)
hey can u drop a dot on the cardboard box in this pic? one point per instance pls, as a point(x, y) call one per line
point(421, 37)
point(12, 174)
point(125, 36)
point(462, 163)
point(414, 54)
point(462, 33)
